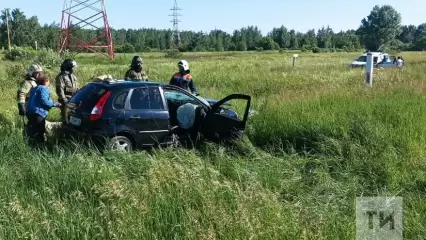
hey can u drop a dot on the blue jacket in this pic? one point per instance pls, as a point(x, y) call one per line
point(40, 101)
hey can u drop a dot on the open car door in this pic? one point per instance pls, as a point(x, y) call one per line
point(221, 124)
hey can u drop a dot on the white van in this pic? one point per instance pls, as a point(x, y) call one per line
point(378, 57)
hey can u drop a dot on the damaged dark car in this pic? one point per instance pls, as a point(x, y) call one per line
point(127, 115)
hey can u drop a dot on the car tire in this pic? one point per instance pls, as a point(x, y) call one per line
point(120, 143)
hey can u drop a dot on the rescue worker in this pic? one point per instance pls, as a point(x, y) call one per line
point(136, 72)
point(34, 73)
point(66, 84)
point(183, 78)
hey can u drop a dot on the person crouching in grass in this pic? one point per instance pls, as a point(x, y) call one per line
point(38, 107)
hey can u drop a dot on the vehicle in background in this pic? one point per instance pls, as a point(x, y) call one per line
point(379, 59)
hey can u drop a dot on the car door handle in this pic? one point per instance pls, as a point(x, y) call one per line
point(135, 117)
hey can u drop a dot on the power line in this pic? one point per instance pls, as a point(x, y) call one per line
point(175, 38)
point(95, 11)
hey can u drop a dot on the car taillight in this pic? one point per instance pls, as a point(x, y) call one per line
point(99, 107)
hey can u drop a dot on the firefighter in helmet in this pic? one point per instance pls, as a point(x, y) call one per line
point(183, 78)
point(34, 72)
point(66, 84)
point(136, 72)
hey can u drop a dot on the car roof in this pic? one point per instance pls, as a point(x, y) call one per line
point(119, 83)
point(375, 53)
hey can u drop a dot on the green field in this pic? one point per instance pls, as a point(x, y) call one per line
point(320, 139)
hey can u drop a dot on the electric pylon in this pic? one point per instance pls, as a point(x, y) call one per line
point(175, 38)
point(91, 13)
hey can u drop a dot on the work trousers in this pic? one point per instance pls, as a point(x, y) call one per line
point(64, 107)
point(36, 128)
point(63, 113)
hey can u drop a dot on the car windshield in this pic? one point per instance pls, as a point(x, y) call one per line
point(362, 59)
point(182, 97)
point(203, 100)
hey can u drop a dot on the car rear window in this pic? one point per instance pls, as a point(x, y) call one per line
point(88, 96)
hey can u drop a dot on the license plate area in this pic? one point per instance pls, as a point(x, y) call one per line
point(75, 121)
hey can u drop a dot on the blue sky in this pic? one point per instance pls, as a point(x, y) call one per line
point(202, 15)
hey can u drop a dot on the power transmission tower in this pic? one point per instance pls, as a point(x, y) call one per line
point(92, 14)
point(175, 38)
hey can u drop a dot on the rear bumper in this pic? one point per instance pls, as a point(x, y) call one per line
point(98, 137)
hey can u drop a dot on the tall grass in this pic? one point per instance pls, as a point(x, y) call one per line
point(319, 140)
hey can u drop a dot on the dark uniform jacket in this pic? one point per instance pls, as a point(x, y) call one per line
point(66, 86)
point(135, 76)
point(184, 81)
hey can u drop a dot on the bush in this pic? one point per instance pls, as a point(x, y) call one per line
point(306, 48)
point(182, 49)
point(173, 53)
point(241, 46)
point(68, 55)
point(15, 71)
point(275, 46)
point(316, 50)
point(232, 47)
point(219, 49)
point(47, 58)
point(126, 48)
point(146, 49)
point(20, 54)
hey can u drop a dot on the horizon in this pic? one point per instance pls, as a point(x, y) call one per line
point(230, 19)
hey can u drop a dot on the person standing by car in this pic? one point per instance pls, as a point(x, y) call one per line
point(399, 62)
point(38, 107)
point(66, 84)
point(183, 78)
point(136, 72)
point(34, 72)
point(402, 61)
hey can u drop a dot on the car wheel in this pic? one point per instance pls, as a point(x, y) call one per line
point(120, 143)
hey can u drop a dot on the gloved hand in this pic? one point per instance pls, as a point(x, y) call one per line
point(21, 108)
point(62, 101)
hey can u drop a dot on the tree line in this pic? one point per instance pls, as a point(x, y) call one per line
point(380, 30)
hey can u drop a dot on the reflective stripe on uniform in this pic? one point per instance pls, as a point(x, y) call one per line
point(24, 90)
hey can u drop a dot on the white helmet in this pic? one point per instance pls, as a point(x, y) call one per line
point(34, 68)
point(184, 64)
